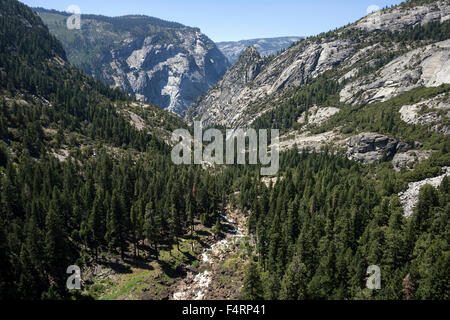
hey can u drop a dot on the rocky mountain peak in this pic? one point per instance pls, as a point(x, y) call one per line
point(247, 67)
point(251, 51)
point(241, 74)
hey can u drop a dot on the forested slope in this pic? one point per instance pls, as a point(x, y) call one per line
point(114, 188)
point(328, 219)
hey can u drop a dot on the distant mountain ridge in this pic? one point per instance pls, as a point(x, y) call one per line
point(141, 18)
point(165, 63)
point(265, 46)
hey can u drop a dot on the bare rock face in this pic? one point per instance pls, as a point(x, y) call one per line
point(372, 147)
point(219, 102)
point(410, 197)
point(317, 115)
point(305, 140)
point(227, 103)
point(428, 66)
point(407, 160)
point(433, 112)
point(161, 62)
point(170, 76)
point(405, 16)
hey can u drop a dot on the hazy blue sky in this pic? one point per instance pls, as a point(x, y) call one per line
point(234, 19)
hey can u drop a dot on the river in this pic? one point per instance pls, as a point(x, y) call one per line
point(196, 286)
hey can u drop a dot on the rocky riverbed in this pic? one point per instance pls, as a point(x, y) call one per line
point(221, 269)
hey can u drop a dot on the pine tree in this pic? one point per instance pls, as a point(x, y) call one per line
point(56, 247)
point(96, 222)
point(190, 212)
point(294, 284)
point(136, 224)
point(7, 289)
point(252, 287)
point(115, 228)
point(152, 227)
point(428, 199)
point(175, 225)
point(217, 229)
point(395, 253)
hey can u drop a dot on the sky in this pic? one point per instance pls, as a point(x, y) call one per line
point(233, 20)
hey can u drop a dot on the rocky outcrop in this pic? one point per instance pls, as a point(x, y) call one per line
point(317, 115)
point(428, 66)
point(372, 147)
point(311, 142)
point(266, 47)
point(161, 62)
point(405, 16)
point(407, 160)
point(410, 197)
point(433, 112)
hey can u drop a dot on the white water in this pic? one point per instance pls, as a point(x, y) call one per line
point(201, 282)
